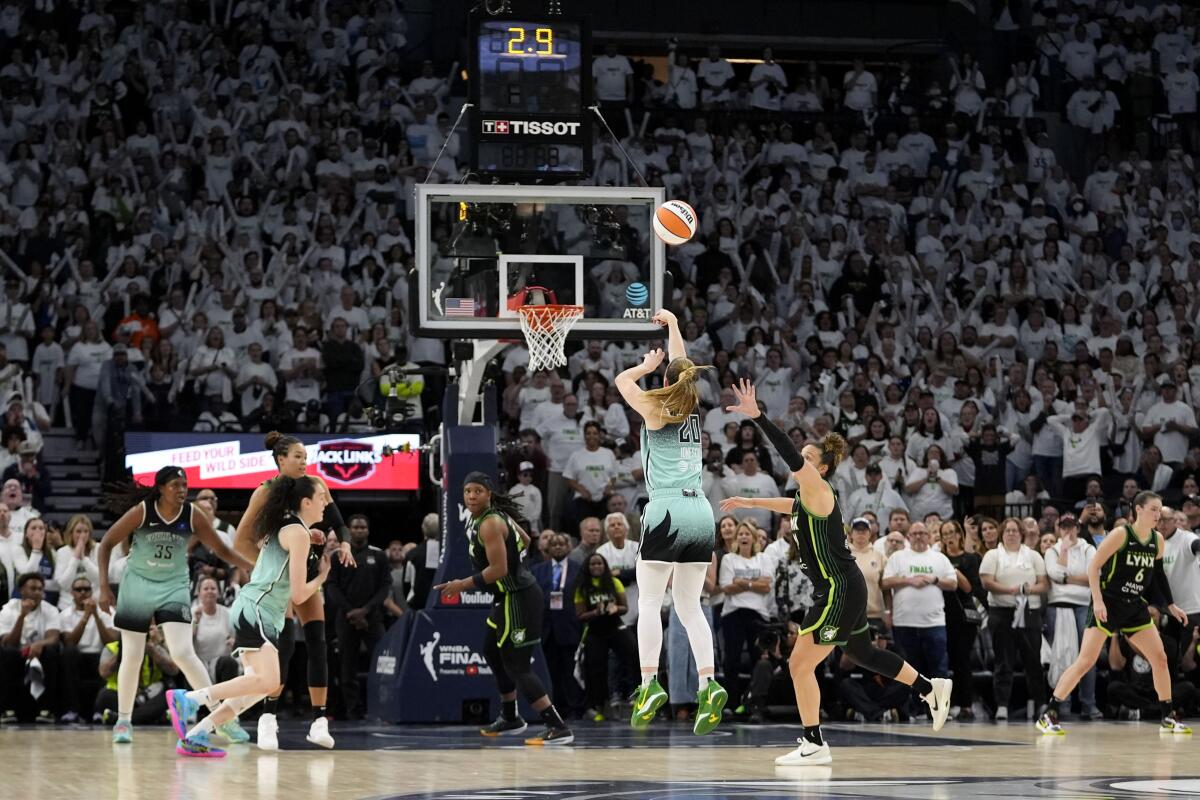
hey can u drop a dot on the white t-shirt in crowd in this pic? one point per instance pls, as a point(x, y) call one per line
point(918, 606)
point(42, 619)
point(1182, 570)
point(592, 469)
point(1173, 444)
point(211, 632)
point(90, 641)
point(610, 72)
point(736, 566)
point(758, 485)
point(1078, 557)
point(1013, 569)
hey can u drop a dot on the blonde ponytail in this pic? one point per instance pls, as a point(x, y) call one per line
point(680, 397)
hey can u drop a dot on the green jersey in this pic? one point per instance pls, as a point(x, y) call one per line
point(270, 587)
point(671, 456)
point(518, 577)
point(1128, 572)
point(158, 547)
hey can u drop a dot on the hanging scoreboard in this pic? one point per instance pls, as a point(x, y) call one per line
point(530, 83)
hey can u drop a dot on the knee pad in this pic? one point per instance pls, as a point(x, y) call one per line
point(318, 659)
point(520, 671)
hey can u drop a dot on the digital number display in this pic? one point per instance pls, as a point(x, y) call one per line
point(530, 157)
point(531, 67)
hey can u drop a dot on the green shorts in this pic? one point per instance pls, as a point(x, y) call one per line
point(140, 602)
point(678, 529)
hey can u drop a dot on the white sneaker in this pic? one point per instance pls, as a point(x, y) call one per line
point(318, 733)
point(268, 733)
point(938, 701)
point(807, 754)
point(1002, 714)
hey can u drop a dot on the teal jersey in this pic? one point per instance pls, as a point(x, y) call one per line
point(270, 587)
point(671, 456)
point(158, 547)
point(518, 577)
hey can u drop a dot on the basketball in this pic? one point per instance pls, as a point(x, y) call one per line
point(675, 222)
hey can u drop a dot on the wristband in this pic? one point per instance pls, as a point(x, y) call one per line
point(478, 580)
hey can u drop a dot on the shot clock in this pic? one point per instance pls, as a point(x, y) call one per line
point(530, 83)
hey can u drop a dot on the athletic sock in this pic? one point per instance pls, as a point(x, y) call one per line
point(271, 705)
point(647, 677)
point(508, 709)
point(201, 696)
point(318, 712)
point(126, 718)
point(551, 718)
point(813, 734)
point(922, 685)
point(203, 726)
point(1167, 707)
point(704, 679)
point(1055, 705)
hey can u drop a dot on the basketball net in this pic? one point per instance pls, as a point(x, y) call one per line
point(545, 329)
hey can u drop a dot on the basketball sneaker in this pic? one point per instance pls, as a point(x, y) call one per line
point(318, 733)
point(550, 737)
point(938, 701)
point(1048, 723)
point(122, 732)
point(1172, 724)
point(806, 755)
point(181, 710)
point(710, 701)
point(198, 747)
point(505, 727)
point(647, 700)
point(268, 733)
point(234, 732)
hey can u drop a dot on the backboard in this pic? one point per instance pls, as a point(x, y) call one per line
point(482, 251)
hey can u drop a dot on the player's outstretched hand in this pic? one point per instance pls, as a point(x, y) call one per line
point(746, 402)
point(730, 503)
point(665, 318)
point(654, 358)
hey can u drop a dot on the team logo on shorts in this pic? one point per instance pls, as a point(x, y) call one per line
point(347, 461)
point(518, 636)
point(829, 633)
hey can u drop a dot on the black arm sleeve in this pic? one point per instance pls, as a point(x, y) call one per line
point(1160, 584)
point(780, 441)
point(332, 521)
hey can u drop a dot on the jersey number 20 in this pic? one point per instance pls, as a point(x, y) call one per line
point(689, 431)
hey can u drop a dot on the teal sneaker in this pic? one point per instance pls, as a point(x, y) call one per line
point(648, 699)
point(710, 701)
point(233, 732)
point(122, 733)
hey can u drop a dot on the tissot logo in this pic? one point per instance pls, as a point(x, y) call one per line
point(521, 127)
point(346, 461)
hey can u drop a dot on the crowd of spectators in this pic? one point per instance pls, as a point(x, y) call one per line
point(983, 275)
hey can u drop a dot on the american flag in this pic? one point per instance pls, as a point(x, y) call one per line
point(460, 307)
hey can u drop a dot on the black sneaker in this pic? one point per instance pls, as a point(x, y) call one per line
point(505, 727)
point(46, 717)
point(549, 737)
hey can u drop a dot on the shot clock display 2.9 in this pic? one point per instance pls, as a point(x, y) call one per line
point(530, 67)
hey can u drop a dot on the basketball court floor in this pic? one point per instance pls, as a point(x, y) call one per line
point(1097, 760)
